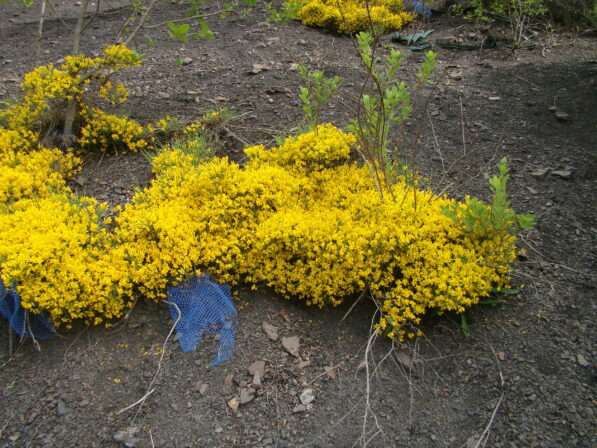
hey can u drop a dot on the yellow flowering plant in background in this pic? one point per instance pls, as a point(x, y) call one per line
point(48, 90)
point(353, 16)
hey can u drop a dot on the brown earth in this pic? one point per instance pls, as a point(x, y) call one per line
point(527, 374)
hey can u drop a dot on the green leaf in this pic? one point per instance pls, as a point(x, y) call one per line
point(464, 325)
point(178, 32)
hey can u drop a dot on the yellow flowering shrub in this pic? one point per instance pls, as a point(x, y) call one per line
point(300, 218)
point(353, 16)
point(108, 132)
point(27, 171)
point(311, 151)
point(55, 250)
point(47, 90)
point(303, 220)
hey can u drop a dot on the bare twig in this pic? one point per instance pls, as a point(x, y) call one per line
point(40, 31)
point(462, 124)
point(485, 434)
point(185, 19)
point(233, 135)
point(525, 80)
point(437, 146)
point(373, 336)
point(353, 305)
point(141, 401)
point(140, 23)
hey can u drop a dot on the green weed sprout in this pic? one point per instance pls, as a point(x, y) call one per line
point(484, 220)
point(316, 91)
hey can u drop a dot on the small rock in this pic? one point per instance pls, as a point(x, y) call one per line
point(257, 366)
point(532, 190)
point(127, 437)
point(218, 429)
point(291, 345)
point(257, 68)
point(227, 384)
point(61, 408)
point(203, 389)
point(582, 360)
point(330, 372)
point(299, 408)
point(494, 98)
point(256, 383)
point(186, 61)
point(233, 404)
point(246, 395)
point(456, 76)
point(501, 356)
point(83, 403)
point(270, 331)
point(564, 174)
point(301, 42)
point(302, 364)
point(539, 172)
point(81, 180)
point(562, 116)
point(405, 360)
point(307, 396)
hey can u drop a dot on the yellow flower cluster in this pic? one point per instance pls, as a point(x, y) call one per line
point(108, 132)
point(303, 220)
point(353, 16)
point(56, 250)
point(47, 90)
point(208, 119)
point(52, 246)
point(300, 218)
point(28, 173)
point(113, 93)
point(313, 151)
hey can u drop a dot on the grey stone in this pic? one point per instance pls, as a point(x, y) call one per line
point(257, 366)
point(307, 396)
point(247, 394)
point(291, 344)
point(127, 437)
point(270, 331)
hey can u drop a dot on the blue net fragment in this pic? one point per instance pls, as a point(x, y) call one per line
point(421, 9)
point(204, 306)
point(21, 321)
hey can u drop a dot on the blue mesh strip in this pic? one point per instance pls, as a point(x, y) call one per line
point(22, 322)
point(204, 306)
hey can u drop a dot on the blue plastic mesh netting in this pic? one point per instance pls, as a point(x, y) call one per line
point(204, 306)
point(22, 322)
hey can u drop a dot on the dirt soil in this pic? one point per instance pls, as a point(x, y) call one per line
point(525, 377)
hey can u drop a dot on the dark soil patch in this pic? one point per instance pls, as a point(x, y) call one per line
point(532, 358)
